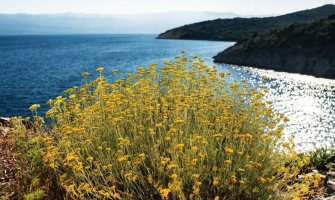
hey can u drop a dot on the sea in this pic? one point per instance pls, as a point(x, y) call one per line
point(34, 69)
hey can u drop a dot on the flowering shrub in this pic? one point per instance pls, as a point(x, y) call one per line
point(184, 131)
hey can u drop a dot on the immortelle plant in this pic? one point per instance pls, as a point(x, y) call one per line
point(183, 131)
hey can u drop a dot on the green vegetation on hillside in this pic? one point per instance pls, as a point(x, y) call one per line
point(304, 48)
point(241, 28)
point(317, 34)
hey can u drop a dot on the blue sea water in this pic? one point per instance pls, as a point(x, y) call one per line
point(34, 69)
point(37, 68)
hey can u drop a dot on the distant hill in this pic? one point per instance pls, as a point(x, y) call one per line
point(27, 24)
point(237, 29)
point(300, 48)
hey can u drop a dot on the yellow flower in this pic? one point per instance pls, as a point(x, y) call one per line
point(128, 174)
point(100, 69)
point(174, 176)
point(228, 150)
point(164, 192)
point(195, 176)
point(116, 196)
point(261, 180)
point(230, 187)
point(218, 135)
point(104, 193)
point(258, 165)
point(240, 170)
point(232, 179)
point(179, 121)
point(194, 148)
point(85, 74)
point(141, 155)
point(84, 187)
point(89, 159)
point(296, 171)
point(123, 158)
point(317, 177)
point(159, 125)
point(171, 166)
point(197, 138)
point(216, 181)
point(194, 161)
point(70, 156)
point(34, 107)
point(304, 188)
point(202, 155)
point(179, 147)
point(164, 161)
point(307, 160)
point(173, 130)
point(124, 141)
point(227, 162)
point(296, 198)
point(248, 137)
point(265, 136)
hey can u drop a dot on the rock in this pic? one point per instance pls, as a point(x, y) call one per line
point(330, 187)
point(329, 198)
point(324, 178)
point(4, 130)
point(331, 175)
point(4, 121)
point(4, 126)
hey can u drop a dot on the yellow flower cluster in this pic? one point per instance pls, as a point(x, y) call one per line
point(181, 131)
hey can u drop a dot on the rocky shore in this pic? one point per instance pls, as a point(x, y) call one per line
point(303, 61)
point(8, 166)
point(327, 190)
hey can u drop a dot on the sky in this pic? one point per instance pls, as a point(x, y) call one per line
point(243, 7)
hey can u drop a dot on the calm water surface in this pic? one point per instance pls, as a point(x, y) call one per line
point(34, 69)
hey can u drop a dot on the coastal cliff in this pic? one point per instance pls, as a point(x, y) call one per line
point(299, 48)
point(237, 29)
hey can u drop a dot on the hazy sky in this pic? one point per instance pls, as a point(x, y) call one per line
point(253, 7)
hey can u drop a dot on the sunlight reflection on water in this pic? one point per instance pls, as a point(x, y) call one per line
point(307, 101)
